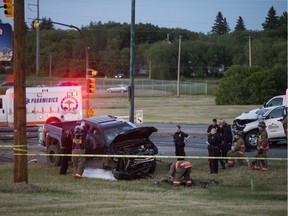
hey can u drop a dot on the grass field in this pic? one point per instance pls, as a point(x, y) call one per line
point(48, 193)
point(198, 109)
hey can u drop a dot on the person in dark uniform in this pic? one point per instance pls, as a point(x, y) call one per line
point(214, 141)
point(179, 139)
point(227, 139)
point(66, 148)
point(213, 125)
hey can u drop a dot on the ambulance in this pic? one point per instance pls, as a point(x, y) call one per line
point(44, 105)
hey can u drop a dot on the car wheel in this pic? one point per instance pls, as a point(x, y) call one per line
point(251, 139)
point(53, 160)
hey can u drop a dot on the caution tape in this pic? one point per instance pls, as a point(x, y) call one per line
point(148, 156)
point(12, 146)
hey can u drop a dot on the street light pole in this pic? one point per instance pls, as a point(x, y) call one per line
point(86, 61)
point(178, 73)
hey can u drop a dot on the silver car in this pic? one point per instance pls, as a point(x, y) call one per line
point(118, 88)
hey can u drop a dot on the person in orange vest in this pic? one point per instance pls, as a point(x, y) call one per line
point(179, 172)
point(262, 148)
point(78, 148)
point(237, 149)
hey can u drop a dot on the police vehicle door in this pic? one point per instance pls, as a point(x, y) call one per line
point(274, 126)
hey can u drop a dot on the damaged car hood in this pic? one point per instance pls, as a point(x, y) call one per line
point(135, 133)
point(253, 114)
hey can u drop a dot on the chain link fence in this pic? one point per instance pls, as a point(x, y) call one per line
point(142, 85)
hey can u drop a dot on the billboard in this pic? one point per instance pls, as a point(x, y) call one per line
point(6, 42)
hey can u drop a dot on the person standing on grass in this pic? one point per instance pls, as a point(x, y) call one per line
point(66, 148)
point(179, 139)
point(78, 147)
point(262, 148)
point(227, 139)
point(214, 140)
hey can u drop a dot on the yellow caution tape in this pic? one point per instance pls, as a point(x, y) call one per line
point(150, 156)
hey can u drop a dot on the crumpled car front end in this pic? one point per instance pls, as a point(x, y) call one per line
point(134, 142)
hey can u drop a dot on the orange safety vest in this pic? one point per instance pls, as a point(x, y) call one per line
point(184, 164)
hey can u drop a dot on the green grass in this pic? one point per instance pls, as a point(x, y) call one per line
point(198, 109)
point(48, 193)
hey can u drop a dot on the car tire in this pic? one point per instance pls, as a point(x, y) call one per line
point(53, 160)
point(251, 139)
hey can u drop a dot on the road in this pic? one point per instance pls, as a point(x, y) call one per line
point(195, 146)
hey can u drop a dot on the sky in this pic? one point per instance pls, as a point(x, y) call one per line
point(193, 15)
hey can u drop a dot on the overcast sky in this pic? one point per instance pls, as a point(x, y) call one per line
point(194, 15)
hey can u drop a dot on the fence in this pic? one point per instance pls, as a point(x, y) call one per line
point(142, 85)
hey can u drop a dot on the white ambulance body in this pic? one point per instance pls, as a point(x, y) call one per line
point(44, 104)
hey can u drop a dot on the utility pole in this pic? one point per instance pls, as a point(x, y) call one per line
point(132, 62)
point(20, 143)
point(178, 73)
point(250, 56)
point(37, 44)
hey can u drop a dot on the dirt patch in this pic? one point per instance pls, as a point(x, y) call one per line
point(21, 188)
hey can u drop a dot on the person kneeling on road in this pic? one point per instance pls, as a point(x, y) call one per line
point(179, 173)
point(237, 149)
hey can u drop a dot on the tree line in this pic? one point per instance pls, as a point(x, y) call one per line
point(202, 55)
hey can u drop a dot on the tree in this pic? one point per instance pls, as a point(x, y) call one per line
point(221, 26)
point(240, 26)
point(245, 85)
point(271, 21)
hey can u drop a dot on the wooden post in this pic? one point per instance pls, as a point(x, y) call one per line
point(20, 143)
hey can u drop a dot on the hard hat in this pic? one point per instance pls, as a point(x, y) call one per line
point(77, 129)
point(262, 124)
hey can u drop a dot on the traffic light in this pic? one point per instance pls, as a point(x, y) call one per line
point(91, 85)
point(8, 8)
point(35, 24)
point(92, 73)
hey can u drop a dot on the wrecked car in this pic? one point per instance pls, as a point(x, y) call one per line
point(110, 136)
point(272, 116)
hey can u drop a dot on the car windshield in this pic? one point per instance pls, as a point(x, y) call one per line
point(261, 112)
point(111, 133)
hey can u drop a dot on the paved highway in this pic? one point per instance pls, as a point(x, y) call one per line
point(195, 146)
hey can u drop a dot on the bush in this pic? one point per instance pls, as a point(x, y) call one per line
point(245, 85)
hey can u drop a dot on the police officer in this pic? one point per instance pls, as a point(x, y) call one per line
point(213, 125)
point(78, 147)
point(227, 138)
point(214, 141)
point(262, 147)
point(179, 139)
point(237, 149)
point(180, 172)
point(66, 148)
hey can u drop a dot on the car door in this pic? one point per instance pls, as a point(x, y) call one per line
point(274, 126)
